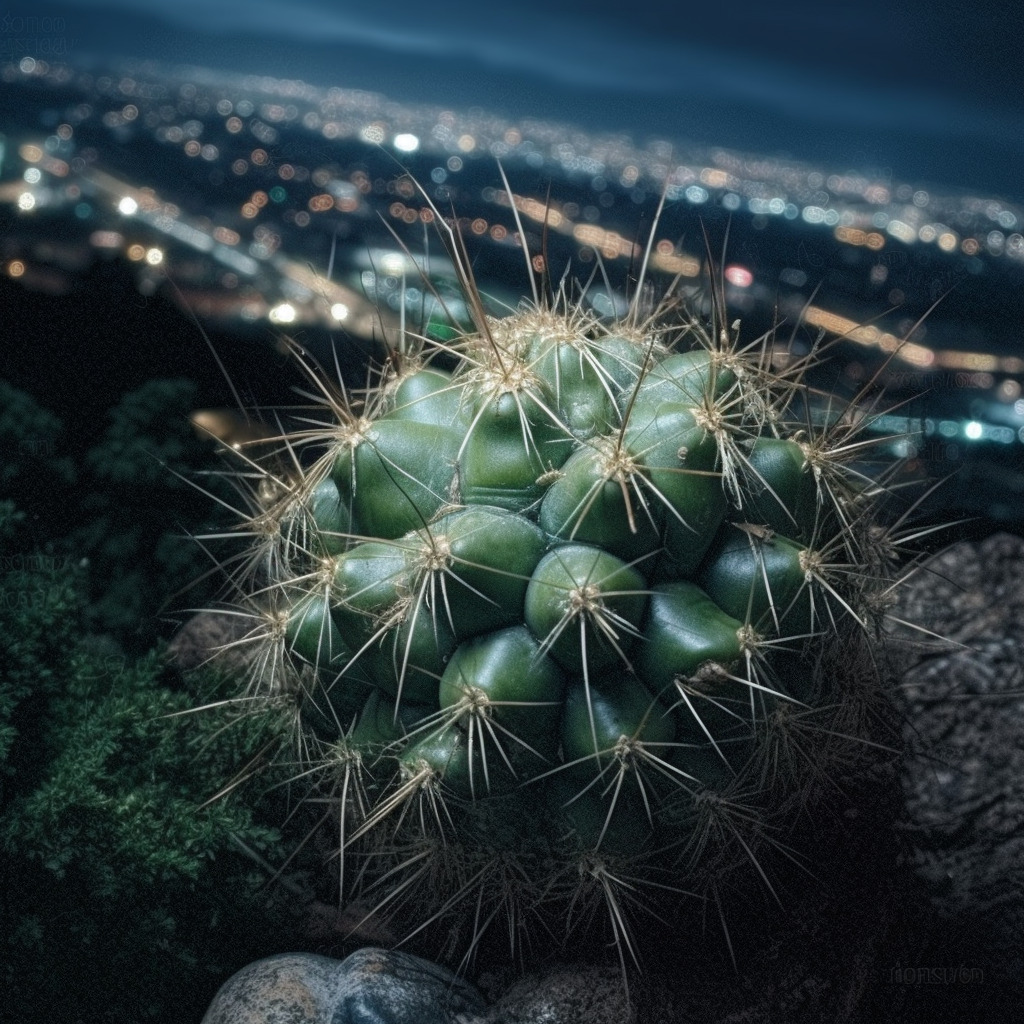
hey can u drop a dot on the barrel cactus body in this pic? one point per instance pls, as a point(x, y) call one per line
point(557, 592)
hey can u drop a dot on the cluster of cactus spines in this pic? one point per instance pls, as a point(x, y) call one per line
point(571, 614)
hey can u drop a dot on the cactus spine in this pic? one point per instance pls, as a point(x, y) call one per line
point(572, 613)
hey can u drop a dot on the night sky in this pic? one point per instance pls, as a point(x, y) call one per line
point(926, 90)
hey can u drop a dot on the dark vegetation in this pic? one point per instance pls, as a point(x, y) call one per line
point(126, 895)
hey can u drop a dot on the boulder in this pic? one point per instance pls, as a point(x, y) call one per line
point(370, 986)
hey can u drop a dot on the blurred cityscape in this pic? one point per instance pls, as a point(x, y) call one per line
point(272, 204)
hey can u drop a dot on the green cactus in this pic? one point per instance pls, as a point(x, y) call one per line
point(564, 609)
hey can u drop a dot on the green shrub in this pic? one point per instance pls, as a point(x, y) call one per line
point(126, 895)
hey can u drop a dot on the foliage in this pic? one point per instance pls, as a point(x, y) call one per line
point(125, 504)
point(29, 437)
point(126, 897)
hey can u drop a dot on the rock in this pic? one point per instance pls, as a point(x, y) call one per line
point(963, 779)
point(371, 986)
point(212, 636)
point(563, 995)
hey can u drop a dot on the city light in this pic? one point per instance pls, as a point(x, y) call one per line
point(406, 142)
point(293, 219)
point(284, 313)
point(739, 276)
point(393, 263)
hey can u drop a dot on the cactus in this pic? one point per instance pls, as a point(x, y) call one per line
point(572, 614)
